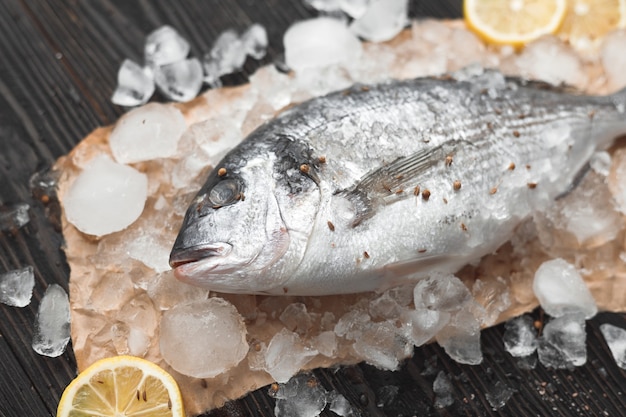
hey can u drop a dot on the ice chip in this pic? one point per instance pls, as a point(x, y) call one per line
point(106, 197)
point(340, 405)
point(441, 292)
point(562, 344)
point(520, 337)
point(135, 85)
point(16, 287)
point(181, 80)
point(499, 395)
point(383, 345)
point(13, 217)
point(615, 337)
point(325, 343)
point(301, 396)
point(318, 43)
point(165, 46)
point(52, 324)
point(382, 20)
point(254, 41)
point(286, 354)
point(204, 338)
point(560, 290)
point(442, 387)
point(461, 338)
point(148, 132)
point(228, 53)
point(296, 318)
point(423, 324)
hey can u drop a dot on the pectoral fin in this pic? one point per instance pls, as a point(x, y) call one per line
point(397, 180)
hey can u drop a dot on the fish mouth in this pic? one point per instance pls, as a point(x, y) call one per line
point(180, 257)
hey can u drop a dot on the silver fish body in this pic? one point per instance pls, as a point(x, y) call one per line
point(376, 186)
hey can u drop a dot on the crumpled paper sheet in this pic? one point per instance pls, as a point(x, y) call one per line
point(102, 289)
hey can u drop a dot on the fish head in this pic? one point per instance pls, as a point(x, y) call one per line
point(247, 228)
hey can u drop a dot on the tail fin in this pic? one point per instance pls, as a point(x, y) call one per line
point(619, 99)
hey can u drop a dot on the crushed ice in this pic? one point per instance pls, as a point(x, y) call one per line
point(383, 329)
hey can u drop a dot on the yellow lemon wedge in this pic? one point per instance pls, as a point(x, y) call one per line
point(122, 386)
point(514, 22)
point(587, 21)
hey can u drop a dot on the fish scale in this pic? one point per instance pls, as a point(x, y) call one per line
point(337, 176)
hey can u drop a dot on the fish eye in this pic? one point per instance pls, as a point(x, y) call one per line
point(224, 193)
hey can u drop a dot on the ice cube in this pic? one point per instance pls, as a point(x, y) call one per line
point(422, 324)
point(614, 60)
point(216, 330)
point(382, 20)
point(52, 324)
point(180, 81)
point(325, 343)
point(499, 395)
point(562, 344)
point(443, 292)
point(16, 287)
point(106, 197)
point(461, 338)
point(560, 290)
point(324, 5)
point(286, 355)
point(354, 8)
point(340, 405)
point(615, 337)
point(135, 85)
point(383, 345)
point(318, 43)
point(442, 387)
point(14, 216)
point(385, 307)
point(227, 55)
point(301, 396)
point(296, 318)
point(520, 337)
point(254, 41)
point(148, 132)
point(351, 324)
point(165, 46)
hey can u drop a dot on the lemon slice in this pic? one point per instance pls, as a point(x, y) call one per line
point(122, 386)
point(587, 21)
point(514, 22)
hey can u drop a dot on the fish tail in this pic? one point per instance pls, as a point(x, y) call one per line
point(619, 99)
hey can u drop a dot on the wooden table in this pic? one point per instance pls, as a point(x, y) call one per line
point(58, 65)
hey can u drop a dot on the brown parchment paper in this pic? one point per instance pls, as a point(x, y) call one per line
point(100, 291)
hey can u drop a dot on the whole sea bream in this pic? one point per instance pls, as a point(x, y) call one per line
point(375, 186)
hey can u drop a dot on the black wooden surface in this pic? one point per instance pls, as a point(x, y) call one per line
point(58, 64)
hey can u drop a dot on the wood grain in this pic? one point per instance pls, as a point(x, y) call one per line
point(58, 65)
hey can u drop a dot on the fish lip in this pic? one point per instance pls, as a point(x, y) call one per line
point(180, 257)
